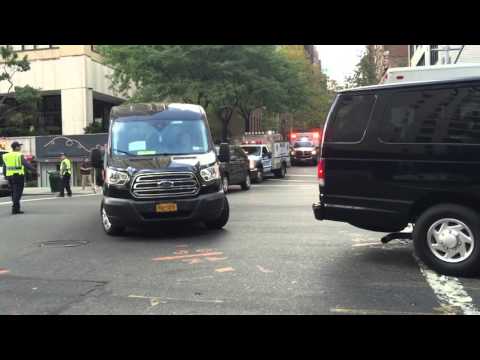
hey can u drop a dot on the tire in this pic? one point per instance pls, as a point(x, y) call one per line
point(219, 223)
point(282, 172)
point(260, 176)
point(107, 226)
point(225, 184)
point(247, 183)
point(430, 248)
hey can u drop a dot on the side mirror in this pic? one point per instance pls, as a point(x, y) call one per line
point(224, 153)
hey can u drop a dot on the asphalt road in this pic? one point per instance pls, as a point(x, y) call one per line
point(273, 257)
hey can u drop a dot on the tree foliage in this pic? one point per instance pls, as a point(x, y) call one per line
point(226, 79)
point(365, 71)
point(19, 106)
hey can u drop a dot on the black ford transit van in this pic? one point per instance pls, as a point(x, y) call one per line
point(161, 166)
point(408, 153)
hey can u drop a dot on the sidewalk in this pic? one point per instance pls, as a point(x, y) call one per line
point(76, 190)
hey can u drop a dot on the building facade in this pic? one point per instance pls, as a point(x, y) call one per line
point(428, 55)
point(74, 84)
point(388, 56)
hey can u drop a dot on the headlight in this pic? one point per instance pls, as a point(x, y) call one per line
point(292, 153)
point(314, 152)
point(115, 177)
point(211, 173)
point(253, 164)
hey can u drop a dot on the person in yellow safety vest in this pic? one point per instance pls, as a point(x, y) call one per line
point(14, 166)
point(66, 173)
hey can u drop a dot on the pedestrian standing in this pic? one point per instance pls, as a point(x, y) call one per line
point(97, 165)
point(85, 172)
point(14, 170)
point(66, 173)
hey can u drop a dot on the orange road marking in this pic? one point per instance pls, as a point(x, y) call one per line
point(216, 258)
point(165, 258)
point(192, 261)
point(227, 269)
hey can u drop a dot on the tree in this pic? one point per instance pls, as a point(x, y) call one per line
point(365, 71)
point(18, 112)
point(315, 100)
point(225, 78)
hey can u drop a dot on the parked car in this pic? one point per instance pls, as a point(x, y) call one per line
point(396, 154)
point(236, 170)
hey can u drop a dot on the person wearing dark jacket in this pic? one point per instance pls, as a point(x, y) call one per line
point(14, 171)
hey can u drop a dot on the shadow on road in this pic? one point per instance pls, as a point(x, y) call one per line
point(173, 232)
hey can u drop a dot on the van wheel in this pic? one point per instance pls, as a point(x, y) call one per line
point(282, 172)
point(222, 220)
point(247, 183)
point(225, 184)
point(447, 238)
point(108, 227)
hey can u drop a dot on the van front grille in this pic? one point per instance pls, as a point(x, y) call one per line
point(303, 153)
point(162, 185)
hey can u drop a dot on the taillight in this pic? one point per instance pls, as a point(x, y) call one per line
point(321, 171)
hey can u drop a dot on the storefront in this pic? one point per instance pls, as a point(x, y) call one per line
point(77, 148)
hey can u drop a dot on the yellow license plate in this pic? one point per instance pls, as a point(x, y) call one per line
point(166, 208)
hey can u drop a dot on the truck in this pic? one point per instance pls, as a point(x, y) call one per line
point(304, 147)
point(431, 73)
point(268, 155)
point(161, 167)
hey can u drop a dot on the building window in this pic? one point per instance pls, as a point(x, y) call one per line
point(433, 54)
point(421, 62)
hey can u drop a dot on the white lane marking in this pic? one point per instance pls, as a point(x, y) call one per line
point(368, 244)
point(313, 176)
point(299, 181)
point(449, 291)
point(155, 300)
point(49, 198)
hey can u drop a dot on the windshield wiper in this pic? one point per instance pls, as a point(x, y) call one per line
point(124, 152)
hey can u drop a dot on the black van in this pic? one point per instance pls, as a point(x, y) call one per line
point(408, 153)
point(161, 166)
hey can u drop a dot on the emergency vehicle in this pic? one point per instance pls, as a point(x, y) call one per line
point(431, 73)
point(267, 153)
point(304, 147)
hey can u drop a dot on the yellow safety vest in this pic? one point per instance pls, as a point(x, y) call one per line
point(13, 163)
point(66, 167)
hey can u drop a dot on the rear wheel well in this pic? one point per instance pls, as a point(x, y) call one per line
point(442, 198)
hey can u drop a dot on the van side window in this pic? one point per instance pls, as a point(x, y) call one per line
point(351, 118)
point(438, 116)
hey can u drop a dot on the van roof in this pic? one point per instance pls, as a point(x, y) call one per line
point(171, 111)
point(410, 84)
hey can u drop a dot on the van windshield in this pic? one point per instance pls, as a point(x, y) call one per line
point(303, 144)
point(252, 150)
point(142, 136)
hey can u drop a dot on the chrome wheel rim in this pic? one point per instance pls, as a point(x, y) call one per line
point(450, 240)
point(106, 222)
point(225, 184)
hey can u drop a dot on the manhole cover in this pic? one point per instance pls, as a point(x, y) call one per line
point(63, 243)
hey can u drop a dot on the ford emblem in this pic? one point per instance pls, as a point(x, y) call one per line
point(165, 184)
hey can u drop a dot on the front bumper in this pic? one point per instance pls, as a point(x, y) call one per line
point(127, 212)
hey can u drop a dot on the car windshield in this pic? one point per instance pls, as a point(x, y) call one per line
point(303, 144)
point(252, 150)
point(147, 136)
